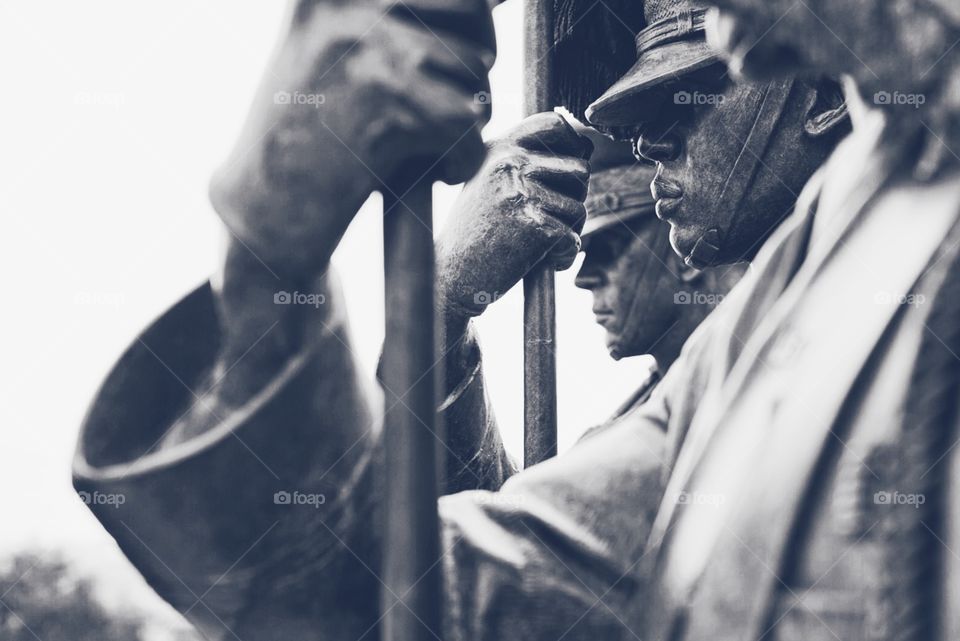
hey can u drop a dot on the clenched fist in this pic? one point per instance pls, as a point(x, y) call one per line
point(354, 93)
point(524, 206)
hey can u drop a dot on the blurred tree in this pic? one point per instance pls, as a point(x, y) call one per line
point(40, 598)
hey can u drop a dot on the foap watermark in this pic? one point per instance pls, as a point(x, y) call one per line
point(101, 498)
point(698, 98)
point(899, 99)
point(483, 98)
point(298, 298)
point(300, 99)
point(113, 99)
point(98, 299)
point(697, 298)
point(500, 499)
point(299, 498)
point(701, 498)
point(485, 298)
point(887, 298)
point(899, 498)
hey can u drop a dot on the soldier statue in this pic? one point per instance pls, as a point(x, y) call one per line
point(756, 494)
point(646, 298)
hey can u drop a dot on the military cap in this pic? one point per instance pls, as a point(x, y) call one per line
point(672, 45)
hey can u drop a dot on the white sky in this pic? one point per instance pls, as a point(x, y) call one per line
point(113, 115)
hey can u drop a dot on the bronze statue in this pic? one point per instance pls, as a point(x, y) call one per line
point(646, 298)
point(732, 158)
point(781, 482)
point(527, 203)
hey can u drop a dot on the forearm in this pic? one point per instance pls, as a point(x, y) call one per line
point(475, 455)
point(267, 319)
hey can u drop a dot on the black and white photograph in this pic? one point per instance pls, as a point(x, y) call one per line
point(480, 320)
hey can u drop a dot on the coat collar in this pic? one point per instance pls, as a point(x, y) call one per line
point(807, 305)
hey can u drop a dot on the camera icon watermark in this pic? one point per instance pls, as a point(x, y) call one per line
point(899, 498)
point(100, 498)
point(299, 99)
point(897, 99)
point(485, 298)
point(483, 98)
point(99, 299)
point(887, 298)
point(700, 498)
point(698, 98)
point(113, 99)
point(298, 298)
point(501, 500)
point(299, 498)
point(697, 298)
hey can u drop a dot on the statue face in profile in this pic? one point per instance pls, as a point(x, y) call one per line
point(634, 277)
point(723, 200)
point(886, 46)
point(645, 298)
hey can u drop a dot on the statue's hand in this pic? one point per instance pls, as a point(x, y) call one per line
point(355, 93)
point(525, 205)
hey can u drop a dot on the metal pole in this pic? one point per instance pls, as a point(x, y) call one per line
point(539, 308)
point(411, 571)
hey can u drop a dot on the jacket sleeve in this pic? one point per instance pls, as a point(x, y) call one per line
point(475, 456)
point(235, 526)
point(268, 525)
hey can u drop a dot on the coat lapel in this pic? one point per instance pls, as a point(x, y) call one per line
point(720, 536)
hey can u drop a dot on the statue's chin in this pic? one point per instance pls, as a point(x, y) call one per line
point(684, 239)
point(613, 346)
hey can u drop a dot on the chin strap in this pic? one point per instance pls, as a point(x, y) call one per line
point(744, 171)
point(656, 256)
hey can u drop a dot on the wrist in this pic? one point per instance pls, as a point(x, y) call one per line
point(461, 355)
point(291, 232)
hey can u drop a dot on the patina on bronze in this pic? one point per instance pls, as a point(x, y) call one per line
point(539, 286)
point(646, 298)
point(771, 413)
point(903, 75)
point(732, 158)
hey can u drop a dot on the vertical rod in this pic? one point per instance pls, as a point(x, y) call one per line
point(539, 309)
point(411, 570)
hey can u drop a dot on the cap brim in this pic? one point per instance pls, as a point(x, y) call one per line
point(601, 222)
point(623, 103)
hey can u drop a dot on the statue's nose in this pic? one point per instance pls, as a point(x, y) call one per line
point(658, 147)
point(588, 277)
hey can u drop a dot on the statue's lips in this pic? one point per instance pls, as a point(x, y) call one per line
point(668, 195)
point(603, 316)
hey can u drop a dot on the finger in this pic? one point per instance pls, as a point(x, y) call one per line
point(564, 253)
point(550, 133)
point(568, 211)
point(458, 63)
point(448, 130)
point(464, 160)
point(470, 20)
point(566, 175)
point(561, 244)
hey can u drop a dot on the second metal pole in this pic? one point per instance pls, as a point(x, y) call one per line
point(539, 308)
point(411, 595)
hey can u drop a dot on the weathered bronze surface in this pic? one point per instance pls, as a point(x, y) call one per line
point(411, 595)
point(756, 495)
point(539, 286)
point(732, 158)
point(646, 298)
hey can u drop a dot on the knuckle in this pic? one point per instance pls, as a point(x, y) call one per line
point(514, 198)
point(510, 164)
